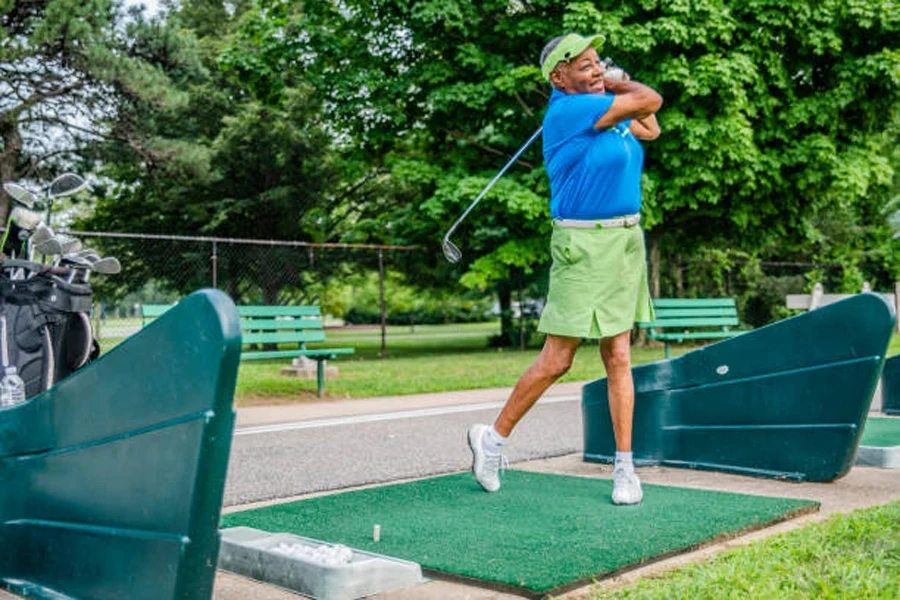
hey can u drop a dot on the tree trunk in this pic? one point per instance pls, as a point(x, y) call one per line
point(10, 149)
point(521, 319)
point(678, 276)
point(653, 253)
point(507, 331)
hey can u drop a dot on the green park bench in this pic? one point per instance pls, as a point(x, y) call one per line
point(267, 329)
point(680, 319)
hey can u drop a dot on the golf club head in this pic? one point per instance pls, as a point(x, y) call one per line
point(42, 233)
point(75, 261)
point(69, 244)
point(24, 218)
point(67, 184)
point(48, 247)
point(88, 254)
point(20, 194)
point(451, 252)
point(108, 265)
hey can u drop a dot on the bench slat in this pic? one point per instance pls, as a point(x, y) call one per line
point(316, 352)
point(283, 337)
point(283, 324)
point(692, 302)
point(250, 310)
point(692, 335)
point(694, 322)
point(323, 353)
point(670, 313)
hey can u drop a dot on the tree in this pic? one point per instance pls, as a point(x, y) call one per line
point(76, 72)
point(263, 163)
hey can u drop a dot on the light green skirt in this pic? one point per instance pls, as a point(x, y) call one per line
point(598, 282)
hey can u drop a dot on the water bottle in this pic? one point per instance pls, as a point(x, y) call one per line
point(12, 388)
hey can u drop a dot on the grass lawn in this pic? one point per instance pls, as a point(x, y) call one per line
point(426, 358)
point(432, 359)
point(848, 556)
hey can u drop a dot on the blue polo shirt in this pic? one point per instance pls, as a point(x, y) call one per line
point(593, 174)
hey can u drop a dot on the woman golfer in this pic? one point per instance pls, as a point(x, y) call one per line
point(598, 280)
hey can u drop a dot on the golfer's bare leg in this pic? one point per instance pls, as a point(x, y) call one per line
point(551, 364)
point(616, 354)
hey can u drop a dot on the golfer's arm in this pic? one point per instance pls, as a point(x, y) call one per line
point(632, 100)
point(646, 128)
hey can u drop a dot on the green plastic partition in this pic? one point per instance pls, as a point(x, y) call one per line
point(788, 400)
point(890, 386)
point(111, 482)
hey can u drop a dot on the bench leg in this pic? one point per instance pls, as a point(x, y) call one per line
point(320, 377)
point(667, 349)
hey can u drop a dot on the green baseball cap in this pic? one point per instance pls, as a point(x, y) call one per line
point(564, 48)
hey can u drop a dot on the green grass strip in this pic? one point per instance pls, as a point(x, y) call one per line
point(881, 433)
point(849, 556)
point(539, 533)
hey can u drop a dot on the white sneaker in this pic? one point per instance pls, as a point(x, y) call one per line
point(626, 488)
point(486, 467)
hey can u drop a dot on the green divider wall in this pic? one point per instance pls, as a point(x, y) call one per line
point(112, 480)
point(788, 400)
point(890, 386)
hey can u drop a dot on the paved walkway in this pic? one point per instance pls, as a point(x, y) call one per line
point(862, 487)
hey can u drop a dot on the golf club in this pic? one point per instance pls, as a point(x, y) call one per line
point(70, 244)
point(451, 252)
point(20, 194)
point(66, 184)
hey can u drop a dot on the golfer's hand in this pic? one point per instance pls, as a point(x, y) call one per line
point(618, 86)
point(616, 74)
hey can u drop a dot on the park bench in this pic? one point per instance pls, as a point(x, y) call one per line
point(680, 319)
point(266, 329)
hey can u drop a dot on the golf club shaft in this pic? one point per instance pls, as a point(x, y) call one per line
point(487, 188)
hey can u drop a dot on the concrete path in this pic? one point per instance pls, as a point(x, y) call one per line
point(863, 486)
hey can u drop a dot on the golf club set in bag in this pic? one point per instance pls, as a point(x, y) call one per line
point(45, 297)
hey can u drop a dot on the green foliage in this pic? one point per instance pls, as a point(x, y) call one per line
point(778, 124)
point(404, 304)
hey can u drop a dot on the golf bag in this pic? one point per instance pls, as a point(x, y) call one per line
point(45, 331)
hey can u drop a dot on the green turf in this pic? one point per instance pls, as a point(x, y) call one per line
point(541, 533)
point(881, 433)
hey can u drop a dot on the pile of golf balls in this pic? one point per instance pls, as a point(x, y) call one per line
point(324, 554)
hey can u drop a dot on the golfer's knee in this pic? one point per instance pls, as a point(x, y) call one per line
point(555, 366)
point(617, 358)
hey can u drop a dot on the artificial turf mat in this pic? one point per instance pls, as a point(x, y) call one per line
point(540, 534)
point(881, 433)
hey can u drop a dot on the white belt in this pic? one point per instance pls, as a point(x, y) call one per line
point(628, 221)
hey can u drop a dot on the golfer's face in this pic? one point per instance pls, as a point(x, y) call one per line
point(583, 74)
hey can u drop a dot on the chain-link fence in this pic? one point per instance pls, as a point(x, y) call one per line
point(161, 269)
